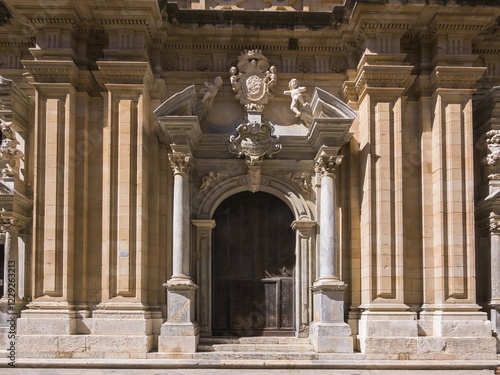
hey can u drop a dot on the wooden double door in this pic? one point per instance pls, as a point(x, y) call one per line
point(253, 267)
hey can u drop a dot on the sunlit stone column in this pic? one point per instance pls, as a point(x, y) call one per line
point(328, 332)
point(180, 333)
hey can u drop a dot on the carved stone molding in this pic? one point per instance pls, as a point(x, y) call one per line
point(327, 164)
point(254, 141)
point(180, 162)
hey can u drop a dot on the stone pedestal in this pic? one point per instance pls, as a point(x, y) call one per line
point(180, 333)
point(390, 334)
point(328, 332)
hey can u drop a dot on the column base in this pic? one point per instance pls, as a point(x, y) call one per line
point(328, 332)
point(180, 333)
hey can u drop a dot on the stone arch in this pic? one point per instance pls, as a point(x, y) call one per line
point(301, 207)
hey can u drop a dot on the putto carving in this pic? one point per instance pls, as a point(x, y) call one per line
point(9, 154)
point(209, 92)
point(327, 164)
point(301, 179)
point(254, 141)
point(252, 80)
point(211, 178)
point(180, 162)
point(297, 94)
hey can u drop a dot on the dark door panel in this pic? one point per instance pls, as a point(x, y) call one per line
point(253, 265)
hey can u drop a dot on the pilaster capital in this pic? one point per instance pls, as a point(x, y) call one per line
point(326, 165)
point(304, 227)
point(181, 163)
point(203, 227)
point(457, 79)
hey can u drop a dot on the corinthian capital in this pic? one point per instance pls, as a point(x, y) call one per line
point(181, 162)
point(494, 223)
point(9, 224)
point(327, 164)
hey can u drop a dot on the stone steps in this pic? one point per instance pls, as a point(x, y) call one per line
point(262, 348)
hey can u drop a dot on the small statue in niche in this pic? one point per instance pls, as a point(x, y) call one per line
point(296, 93)
point(271, 80)
point(210, 91)
point(234, 82)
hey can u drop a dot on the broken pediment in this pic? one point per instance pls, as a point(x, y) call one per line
point(325, 105)
point(183, 103)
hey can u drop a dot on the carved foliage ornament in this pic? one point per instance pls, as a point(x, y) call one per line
point(254, 141)
point(180, 162)
point(327, 164)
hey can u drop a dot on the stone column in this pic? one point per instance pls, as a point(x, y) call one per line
point(180, 333)
point(203, 263)
point(181, 166)
point(495, 272)
point(328, 332)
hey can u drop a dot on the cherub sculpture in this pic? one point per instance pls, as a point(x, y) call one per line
point(296, 93)
point(234, 82)
point(209, 92)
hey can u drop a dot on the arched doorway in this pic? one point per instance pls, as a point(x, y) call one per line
point(253, 266)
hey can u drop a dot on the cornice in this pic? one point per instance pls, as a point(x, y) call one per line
point(48, 71)
point(125, 72)
point(456, 77)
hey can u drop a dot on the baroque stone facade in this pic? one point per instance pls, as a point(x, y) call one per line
point(323, 170)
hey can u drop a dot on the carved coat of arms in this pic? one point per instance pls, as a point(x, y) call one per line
point(253, 80)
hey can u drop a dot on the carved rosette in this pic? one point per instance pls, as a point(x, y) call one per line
point(326, 165)
point(254, 141)
point(181, 162)
point(9, 154)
